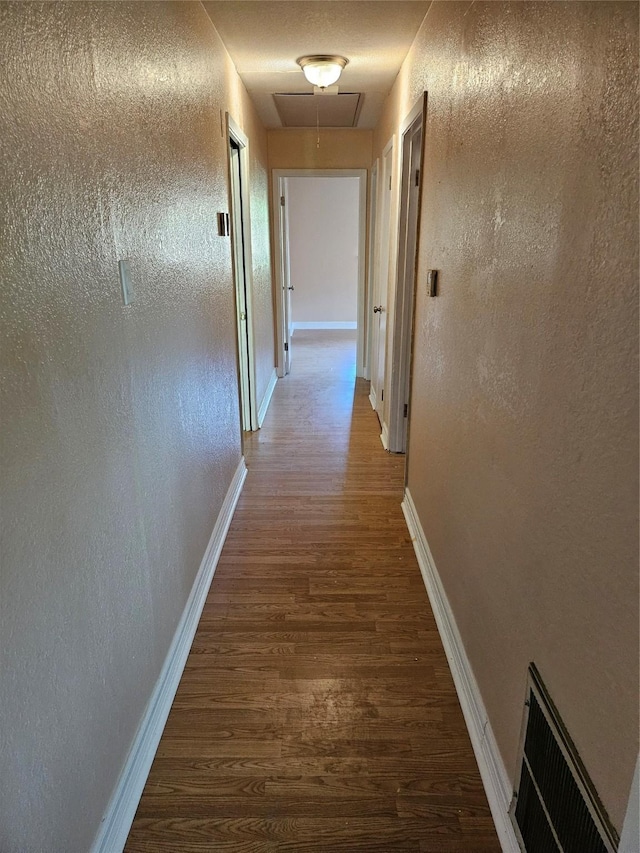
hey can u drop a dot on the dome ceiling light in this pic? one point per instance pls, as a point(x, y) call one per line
point(322, 70)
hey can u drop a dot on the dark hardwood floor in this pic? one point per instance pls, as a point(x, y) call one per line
point(316, 711)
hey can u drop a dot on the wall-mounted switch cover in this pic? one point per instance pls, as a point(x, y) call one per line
point(125, 282)
point(223, 225)
point(432, 282)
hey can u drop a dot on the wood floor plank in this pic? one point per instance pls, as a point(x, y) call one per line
point(167, 833)
point(316, 713)
point(260, 846)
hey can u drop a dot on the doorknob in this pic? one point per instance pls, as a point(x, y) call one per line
point(377, 309)
point(290, 287)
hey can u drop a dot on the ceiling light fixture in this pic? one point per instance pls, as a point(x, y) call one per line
point(322, 70)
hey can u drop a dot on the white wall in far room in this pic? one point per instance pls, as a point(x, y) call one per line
point(323, 246)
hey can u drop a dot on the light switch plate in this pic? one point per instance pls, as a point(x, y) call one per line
point(432, 282)
point(223, 225)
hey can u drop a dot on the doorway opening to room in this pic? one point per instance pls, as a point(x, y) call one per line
point(320, 232)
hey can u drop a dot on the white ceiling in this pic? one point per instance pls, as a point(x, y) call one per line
point(265, 37)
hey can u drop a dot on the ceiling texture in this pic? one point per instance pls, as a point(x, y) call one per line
point(265, 37)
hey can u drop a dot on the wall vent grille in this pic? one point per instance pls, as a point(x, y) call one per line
point(555, 808)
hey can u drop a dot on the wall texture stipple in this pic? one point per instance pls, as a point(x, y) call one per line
point(120, 426)
point(523, 449)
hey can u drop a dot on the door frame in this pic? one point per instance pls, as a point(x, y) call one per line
point(406, 282)
point(387, 273)
point(386, 240)
point(371, 267)
point(248, 406)
point(281, 253)
point(282, 278)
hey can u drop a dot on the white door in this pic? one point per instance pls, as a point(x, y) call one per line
point(371, 272)
point(285, 276)
point(379, 310)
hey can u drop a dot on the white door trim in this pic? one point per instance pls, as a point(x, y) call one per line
point(235, 132)
point(281, 278)
point(280, 246)
point(387, 271)
point(410, 196)
point(371, 268)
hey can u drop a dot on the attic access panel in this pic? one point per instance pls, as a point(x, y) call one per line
point(308, 110)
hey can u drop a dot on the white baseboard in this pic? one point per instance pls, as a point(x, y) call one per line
point(492, 770)
point(264, 405)
point(384, 436)
point(372, 398)
point(327, 324)
point(117, 820)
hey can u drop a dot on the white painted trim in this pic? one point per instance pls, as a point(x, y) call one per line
point(235, 132)
point(410, 198)
point(372, 397)
point(116, 823)
point(388, 272)
point(279, 252)
point(268, 394)
point(326, 324)
point(377, 209)
point(630, 835)
point(361, 365)
point(384, 437)
point(416, 110)
point(372, 212)
point(492, 770)
point(281, 281)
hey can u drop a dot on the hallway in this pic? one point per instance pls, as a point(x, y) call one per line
point(316, 711)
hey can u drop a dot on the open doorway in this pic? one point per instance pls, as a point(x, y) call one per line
point(323, 214)
point(322, 275)
point(241, 245)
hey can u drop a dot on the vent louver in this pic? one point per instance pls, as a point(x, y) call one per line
point(555, 808)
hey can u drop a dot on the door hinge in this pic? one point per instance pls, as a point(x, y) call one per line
point(286, 347)
point(389, 183)
point(382, 394)
point(281, 201)
point(417, 177)
point(406, 410)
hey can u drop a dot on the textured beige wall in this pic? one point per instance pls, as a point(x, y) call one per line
point(290, 148)
point(523, 449)
point(120, 426)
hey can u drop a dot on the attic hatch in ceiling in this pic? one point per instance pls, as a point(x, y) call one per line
point(327, 110)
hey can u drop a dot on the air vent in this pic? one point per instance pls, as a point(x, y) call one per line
point(555, 808)
point(309, 110)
